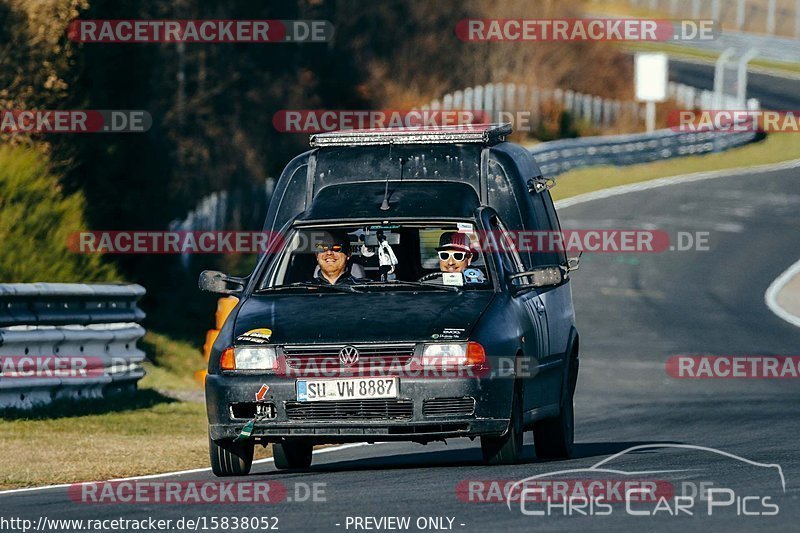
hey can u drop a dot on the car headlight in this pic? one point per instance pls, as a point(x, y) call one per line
point(453, 354)
point(249, 358)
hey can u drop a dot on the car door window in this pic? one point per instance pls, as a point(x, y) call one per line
point(511, 257)
point(547, 256)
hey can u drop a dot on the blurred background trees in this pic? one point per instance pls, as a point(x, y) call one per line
point(212, 104)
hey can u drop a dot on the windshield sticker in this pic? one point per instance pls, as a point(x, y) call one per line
point(453, 278)
point(257, 336)
point(474, 275)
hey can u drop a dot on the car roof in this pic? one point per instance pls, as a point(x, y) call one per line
point(413, 199)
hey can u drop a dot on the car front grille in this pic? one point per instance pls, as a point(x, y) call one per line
point(370, 356)
point(448, 406)
point(373, 409)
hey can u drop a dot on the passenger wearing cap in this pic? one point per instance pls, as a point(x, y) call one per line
point(333, 256)
point(454, 251)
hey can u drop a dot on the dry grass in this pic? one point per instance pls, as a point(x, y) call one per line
point(777, 147)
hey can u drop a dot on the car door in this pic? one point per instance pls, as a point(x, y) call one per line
point(532, 313)
point(557, 300)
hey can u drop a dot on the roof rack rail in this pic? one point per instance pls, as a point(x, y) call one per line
point(466, 133)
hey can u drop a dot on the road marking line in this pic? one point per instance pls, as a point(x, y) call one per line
point(771, 296)
point(176, 473)
point(673, 180)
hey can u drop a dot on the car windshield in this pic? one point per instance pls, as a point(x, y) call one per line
point(407, 256)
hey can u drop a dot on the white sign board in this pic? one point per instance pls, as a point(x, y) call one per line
point(651, 74)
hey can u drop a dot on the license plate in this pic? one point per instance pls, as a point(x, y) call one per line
point(345, 389)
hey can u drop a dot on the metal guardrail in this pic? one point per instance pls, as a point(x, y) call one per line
point(557, 157)
point(89, 329)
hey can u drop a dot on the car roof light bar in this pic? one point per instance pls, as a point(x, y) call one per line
point(487, 134)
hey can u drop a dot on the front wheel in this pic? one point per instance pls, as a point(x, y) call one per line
point(230, 458)
point(554, 438)
point(292, 454)
point(507, 450)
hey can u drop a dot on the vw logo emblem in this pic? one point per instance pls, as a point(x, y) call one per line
point(348, 355)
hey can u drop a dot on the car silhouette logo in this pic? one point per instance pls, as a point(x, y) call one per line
point(348, 356)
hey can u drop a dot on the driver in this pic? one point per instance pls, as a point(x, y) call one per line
point(333, 257)
point(454, 251)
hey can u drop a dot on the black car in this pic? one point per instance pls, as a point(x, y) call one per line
point(434, 325)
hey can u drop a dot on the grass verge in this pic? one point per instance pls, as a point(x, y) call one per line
point(152, 432)
point(777, 147)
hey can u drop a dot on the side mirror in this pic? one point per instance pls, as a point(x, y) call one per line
point(539, 277)
point(220, 283)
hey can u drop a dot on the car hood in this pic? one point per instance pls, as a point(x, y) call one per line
point(367, 317)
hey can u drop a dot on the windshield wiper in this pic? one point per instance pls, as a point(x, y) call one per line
point(310, 285)
point(451, 288)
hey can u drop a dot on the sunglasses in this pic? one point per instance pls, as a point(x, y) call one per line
point(329, 247)
point(458, 256)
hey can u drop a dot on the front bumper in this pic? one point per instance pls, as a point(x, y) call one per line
point(490, 417)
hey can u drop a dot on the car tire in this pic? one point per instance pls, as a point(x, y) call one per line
point(507, 449)
point(292, 454)
point(554, 438)
point(229, 458)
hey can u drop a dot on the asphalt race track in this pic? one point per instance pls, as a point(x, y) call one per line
point(774, 92)
point(634, 311)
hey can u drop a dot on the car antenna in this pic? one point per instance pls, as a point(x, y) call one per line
point(385, 203)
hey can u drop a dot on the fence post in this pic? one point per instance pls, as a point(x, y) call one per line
point(716, 9)
point(488, 101)
point(740, 14)
point(741, 85)
point(458, 100)
point(447, 102)
point(597, 111)
point(587, 107)
point(469, 99)
point(797, 19)
point(521, 103)
point(510, 101)
point(477, 96)
point(771, 17)
point(607, 110)
point(719, 72)
point(536, 103)
point(569, 101)
point(499, 101)
point(558, 97)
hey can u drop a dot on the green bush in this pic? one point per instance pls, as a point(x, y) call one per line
point(36, 221)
